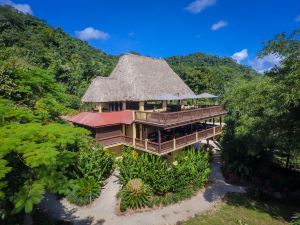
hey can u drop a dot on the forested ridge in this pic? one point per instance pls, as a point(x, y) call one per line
point(37, 60)
point(44, 72)
point(208, 73)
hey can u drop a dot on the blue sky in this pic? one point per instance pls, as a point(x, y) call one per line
point(172, 27)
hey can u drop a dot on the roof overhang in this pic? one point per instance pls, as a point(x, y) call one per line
point(95, 119)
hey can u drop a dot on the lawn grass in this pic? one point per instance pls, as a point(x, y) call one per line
point(238, 209)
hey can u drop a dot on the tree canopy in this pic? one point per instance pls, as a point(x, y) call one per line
point(263, 122)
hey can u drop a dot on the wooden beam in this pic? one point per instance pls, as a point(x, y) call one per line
point(133, 133)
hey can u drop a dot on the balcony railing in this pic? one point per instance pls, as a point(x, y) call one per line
point(171, 118)
point(164, 147)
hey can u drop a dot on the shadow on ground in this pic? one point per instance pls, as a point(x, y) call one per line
point(67, 216)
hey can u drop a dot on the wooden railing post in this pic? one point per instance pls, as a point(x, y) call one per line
point(197, 136)
point(146, 144)
point(174, 143)
point(133, 133)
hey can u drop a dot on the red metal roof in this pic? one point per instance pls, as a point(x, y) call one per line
point(95, 119)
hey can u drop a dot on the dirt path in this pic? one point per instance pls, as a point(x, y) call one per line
point(102, 210)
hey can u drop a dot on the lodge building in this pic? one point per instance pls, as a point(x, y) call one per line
point(145, 104)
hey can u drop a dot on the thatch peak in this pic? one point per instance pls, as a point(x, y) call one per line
point(138, 78)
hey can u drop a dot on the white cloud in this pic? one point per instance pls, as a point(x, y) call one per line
point(24, 8)
point(240, 56)
point(297, 19)
point(91, 33)
point(199, 5)
point(219, 25)
point(266, 63)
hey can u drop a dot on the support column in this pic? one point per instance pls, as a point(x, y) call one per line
point(146, 133)
point(164, 105)
point(100, 107)
point(133, 133)
point(221, 121)
point(123, 105)
point(141, 106)
point(213, 120)
point(141, 131)
point(123, 130)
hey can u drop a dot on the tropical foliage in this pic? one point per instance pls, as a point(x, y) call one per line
point(263, 125)
point(169, 182)
point(93, 165)
point(37, 60)
point(207, 73)
point(134, 195)
point(55, 157)
point(43, 73)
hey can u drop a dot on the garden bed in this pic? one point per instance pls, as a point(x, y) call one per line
point(130, 211)
point(149, 181)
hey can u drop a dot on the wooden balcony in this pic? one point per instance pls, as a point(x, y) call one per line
point(169, 119)
point(164, 147)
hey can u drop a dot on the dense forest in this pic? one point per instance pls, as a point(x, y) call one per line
point(44, 72)
point(207, 73)
point(38, 60)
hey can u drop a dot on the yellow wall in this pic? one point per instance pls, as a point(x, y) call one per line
point(128, 129)
point(116, 150)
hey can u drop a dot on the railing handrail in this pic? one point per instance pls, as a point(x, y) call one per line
point(181, 141)
point(111, 137)
point(182, 111)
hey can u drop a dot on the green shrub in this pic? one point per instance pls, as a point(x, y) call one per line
point(93, 165)
point(191, 168)
point(135, 194)
point(94, 162)
point(295, 219)
point(150, 168)
point(84, 191)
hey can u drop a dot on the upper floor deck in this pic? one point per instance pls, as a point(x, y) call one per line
point(169, 119)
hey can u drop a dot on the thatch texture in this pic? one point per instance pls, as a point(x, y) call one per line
point(138, 78)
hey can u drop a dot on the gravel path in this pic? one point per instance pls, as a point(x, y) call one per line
point(102, 210)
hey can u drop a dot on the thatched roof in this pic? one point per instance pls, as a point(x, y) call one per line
point(138, 78)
